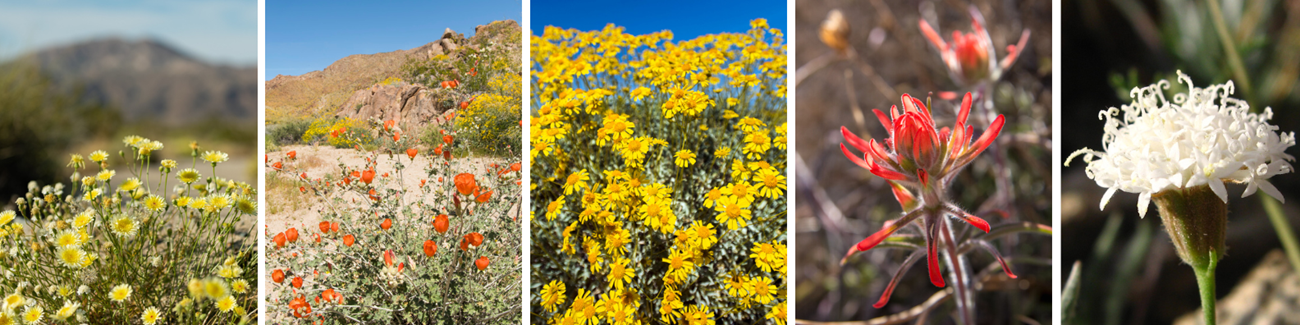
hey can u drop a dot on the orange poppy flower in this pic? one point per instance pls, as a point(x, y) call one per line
point(515, 167)
point(397, 136)
point(422, 183)
point(471, 240)
point(430, 248)
point(448, 139)
point(277, 165)
point(356, 174)
point(300, 307)
point(279, 240)
point(464, 105)
point(465, 183)
point(441, 223)
point(446, 154)
point(325, 226)
point(277, 276)
point(293, 154)
point(368, 176)
point(347, 181)
point(411, 153)
point(385, 174)
point(334, 226)
point(438, 151)
point(388, 223)
point(482, 198)
point(373, 195)
point(481, 263)
point(292, 235)
point(348, 240)
point(472, 72)
point(304, 175)
point(302, 189)
point(317, 236)
point(297, 282)
point(389, 124)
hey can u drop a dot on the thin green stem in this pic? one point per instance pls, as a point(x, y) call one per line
point(1230, 49)
point(1283, 228)
point(1205, 282)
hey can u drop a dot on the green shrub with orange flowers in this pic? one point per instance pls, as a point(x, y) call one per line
point(394, 251)
point(130, 241)
point(658, 177)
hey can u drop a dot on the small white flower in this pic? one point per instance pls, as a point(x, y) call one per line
point(1203, 137)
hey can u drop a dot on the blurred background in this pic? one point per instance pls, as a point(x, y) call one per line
point(839, 203)
point(78, 76)
point(1129, 271)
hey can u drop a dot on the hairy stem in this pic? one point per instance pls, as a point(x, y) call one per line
point(958, 270)
point(1205, 282)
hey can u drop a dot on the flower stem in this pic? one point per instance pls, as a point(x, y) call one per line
point(1205, 282)
point(958, 270)
point(1230, 48)
point(1283, 228)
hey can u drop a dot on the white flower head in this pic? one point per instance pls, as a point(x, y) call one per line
point(1202, 137)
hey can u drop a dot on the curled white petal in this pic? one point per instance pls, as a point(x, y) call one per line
point(1202, 137)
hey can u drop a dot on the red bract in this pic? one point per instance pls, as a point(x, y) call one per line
point(970, 58)
point(919, 157)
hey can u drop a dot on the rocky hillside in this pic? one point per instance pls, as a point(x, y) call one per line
point(353, 86)
point(150, 80)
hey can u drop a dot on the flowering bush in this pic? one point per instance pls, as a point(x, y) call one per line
point(658, 177)
point(490, 121)
point(109, 249)
point(392, 250)
point(338, 133)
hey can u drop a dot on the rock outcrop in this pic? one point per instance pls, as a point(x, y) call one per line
point(412, 106)
point(347, 87)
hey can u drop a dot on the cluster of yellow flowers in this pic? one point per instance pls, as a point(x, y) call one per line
point(632, 160)
point(90, 247)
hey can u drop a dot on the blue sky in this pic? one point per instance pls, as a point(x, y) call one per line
point(687, 19)
point(303, 36)
point(222, 31)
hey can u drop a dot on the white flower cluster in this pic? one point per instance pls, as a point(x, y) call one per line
point(1203, 137)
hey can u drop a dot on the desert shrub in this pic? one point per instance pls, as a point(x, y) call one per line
point(289, 132)
point(338, 132)
point(37, 123)
point(389, 251)
point(658, 177)
point(125, 245)
point(491, 124)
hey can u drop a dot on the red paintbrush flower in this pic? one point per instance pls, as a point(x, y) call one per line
point(918, 157)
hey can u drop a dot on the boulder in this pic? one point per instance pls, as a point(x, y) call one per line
point(412, 106)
